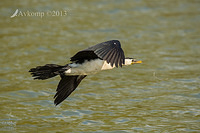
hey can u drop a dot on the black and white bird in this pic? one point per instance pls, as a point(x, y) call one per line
point(102, 56)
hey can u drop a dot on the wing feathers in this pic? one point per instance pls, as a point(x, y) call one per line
point(116, 58)
point(112, 57)
point(66, 86)
point(110, 51)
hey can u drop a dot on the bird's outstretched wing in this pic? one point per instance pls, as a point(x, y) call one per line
point(110, 51)
point(66, 86)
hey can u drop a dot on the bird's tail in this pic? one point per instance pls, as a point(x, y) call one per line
point(47, 71)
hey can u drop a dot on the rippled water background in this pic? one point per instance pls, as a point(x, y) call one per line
point(160, 95)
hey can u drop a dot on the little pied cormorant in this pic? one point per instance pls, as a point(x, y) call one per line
point(102, 56)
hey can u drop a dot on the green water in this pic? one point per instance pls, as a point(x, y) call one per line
point(160, 95)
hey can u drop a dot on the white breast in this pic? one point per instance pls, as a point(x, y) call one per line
point(88, 67)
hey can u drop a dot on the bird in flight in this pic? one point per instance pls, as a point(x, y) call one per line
point(102, 56)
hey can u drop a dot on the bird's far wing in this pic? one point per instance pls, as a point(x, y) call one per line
point(110, 51)
point(66, 86)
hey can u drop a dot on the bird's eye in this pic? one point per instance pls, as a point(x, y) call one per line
point(133, 60)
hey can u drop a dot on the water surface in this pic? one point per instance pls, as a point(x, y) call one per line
point(160, 95)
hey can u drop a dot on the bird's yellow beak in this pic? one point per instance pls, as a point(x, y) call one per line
point(136, 62)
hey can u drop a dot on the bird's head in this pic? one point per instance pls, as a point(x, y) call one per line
point(131, 61)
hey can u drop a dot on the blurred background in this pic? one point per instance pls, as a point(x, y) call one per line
point(160, 95)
